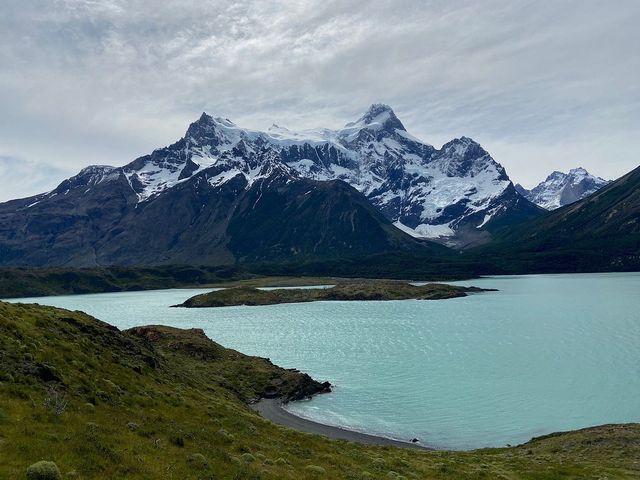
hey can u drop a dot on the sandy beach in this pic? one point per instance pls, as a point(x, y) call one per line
point(272, 410)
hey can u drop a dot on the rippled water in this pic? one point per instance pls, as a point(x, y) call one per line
point(545, 353)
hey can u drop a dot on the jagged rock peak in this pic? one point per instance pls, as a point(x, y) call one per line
point(91, 169)
point(207, 129)
point(462, 141)
point(463, 145)
point(560, 188)
point(205, 117)
point(378, 116)
point(204, 126)
point(377, 109)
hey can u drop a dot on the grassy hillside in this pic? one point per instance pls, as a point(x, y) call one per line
point(345, 291)
point(157, 402)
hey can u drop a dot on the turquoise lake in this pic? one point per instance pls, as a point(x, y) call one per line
point(545, 353)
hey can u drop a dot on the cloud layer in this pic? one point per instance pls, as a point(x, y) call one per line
point(542, 85)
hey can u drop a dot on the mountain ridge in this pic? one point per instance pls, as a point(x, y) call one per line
point(87, 221)
point(560, 189)
point(454, 194)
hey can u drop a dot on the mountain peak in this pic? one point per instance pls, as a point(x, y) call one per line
point(205, 129)
point(464, 141)
point(582, 173)
point(377, 109)
point(556, 175)
point(205, 117)
point(379, 116)
point(461, 145)
point(561, 188)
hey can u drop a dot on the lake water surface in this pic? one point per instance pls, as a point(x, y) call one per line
point(546, 353)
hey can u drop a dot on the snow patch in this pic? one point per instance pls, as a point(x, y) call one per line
point(426, 231)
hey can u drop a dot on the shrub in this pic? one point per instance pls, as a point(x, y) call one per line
point(177, 440)
point(197, 460)
point(92, 427)
point(224, 437)
point(245, 472)
point(43, 470)
point(395, 476)
point(55, 401)
point(315, 469)
point(247, 457)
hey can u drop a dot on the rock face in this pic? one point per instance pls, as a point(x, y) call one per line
point(223, 193)
point(560, 189)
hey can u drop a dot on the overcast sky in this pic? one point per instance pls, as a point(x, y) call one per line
point(544, 85)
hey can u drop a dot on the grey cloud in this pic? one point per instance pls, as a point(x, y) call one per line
point(21, 178)
point(542, 85)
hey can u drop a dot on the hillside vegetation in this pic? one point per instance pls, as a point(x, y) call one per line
point(162, 403)
point(35, 282)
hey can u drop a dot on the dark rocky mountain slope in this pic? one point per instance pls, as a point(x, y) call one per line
point(89, 221)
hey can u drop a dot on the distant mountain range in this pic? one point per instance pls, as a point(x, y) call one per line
point(560, 189)
point(599, 232)
point(224, 195)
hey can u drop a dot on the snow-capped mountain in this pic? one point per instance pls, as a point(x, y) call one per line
point(561, 189)
point(223, 193)
point(429, 193)
point(454, 194)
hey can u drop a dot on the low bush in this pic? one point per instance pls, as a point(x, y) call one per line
point(44, 470)
point(315, 469)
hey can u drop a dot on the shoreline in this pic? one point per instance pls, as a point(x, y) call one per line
point(272, 409)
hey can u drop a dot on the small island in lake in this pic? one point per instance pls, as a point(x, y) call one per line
point(348, 291)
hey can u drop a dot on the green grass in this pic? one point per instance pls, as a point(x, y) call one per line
point(162, 403)
point(347, 291)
